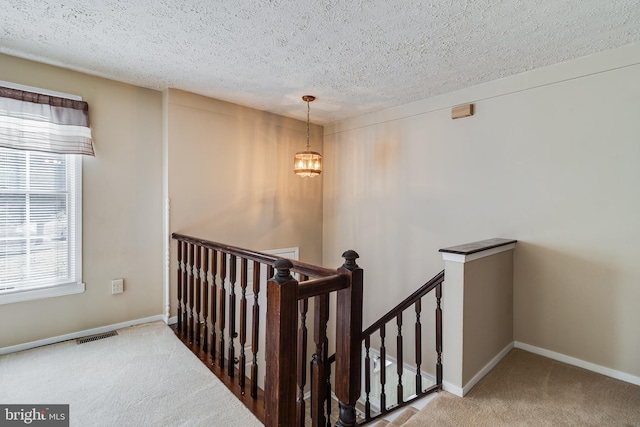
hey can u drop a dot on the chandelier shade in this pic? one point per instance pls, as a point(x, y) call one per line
point(307, 164)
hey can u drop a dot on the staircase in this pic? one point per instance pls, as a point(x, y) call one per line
point(399, 420)
point(401, 417)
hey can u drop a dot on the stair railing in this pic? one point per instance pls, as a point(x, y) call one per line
point(397, 314)
point(213, 320)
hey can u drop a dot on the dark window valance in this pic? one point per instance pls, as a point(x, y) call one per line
point(37, 122)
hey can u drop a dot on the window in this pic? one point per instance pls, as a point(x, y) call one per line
point(39, 221)
point(40, 204)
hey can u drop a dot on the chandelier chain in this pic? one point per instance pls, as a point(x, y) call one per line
point(308, 108)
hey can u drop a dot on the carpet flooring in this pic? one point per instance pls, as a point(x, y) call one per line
point(525, 389)
point(145, 376)
point(142, 377)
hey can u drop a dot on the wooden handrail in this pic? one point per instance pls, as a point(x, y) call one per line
point(298, 266)
point(322, 285)
point(406, 303)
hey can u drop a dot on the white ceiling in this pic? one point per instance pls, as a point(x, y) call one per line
point(355, 56)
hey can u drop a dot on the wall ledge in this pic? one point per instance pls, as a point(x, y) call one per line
point(471, 251)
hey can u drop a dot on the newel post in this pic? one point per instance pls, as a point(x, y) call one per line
point(280, 381)
point(349, 341)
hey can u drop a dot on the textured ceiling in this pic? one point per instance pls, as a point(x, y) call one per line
point(355, 56)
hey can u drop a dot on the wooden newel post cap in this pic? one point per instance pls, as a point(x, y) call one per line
point(350, 257)
point(283, 267)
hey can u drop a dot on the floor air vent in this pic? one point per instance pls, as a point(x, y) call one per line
point(96, 337)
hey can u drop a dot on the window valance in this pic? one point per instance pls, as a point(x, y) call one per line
point(33, 121)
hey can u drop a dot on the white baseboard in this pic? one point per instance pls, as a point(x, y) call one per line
point(453, 389)
point(80, 334)
point(171, 321)
point(622, 376)
point(484, 371)
point(462, 391)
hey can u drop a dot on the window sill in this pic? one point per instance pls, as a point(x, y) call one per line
point(9, 297)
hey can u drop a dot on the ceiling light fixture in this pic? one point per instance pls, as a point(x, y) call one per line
point(307, 164)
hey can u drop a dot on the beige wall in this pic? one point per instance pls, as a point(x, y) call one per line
point(477, 308)
point(550, 158)
point(122, 208)
point(230, 178)
point(488, 311)
point(227, 172)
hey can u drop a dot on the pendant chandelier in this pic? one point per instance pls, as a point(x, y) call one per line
point(307, 164)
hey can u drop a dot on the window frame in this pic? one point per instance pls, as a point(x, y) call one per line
point(65, 288)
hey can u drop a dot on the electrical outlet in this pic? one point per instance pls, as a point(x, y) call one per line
point(117, 286)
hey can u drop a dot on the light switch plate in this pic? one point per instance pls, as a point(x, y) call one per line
point(117, 286)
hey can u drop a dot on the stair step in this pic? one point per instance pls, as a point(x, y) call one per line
point(381, 423)
point(407, 413)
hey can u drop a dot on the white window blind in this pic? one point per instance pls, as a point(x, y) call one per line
point(39, 220)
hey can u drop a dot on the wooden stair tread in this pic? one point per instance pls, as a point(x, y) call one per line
point(407, 413)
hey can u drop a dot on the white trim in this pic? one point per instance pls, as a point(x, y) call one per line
point(488, 367)
point(166, 217)
point(40, 293)
point(292, 253)
point(295, 250)
point(78, 238)
point(171, 321)
point(79, 334)
point(453, 389)
point(448, 256)
point(167, 260)
point(39, 90)
point(622, 376)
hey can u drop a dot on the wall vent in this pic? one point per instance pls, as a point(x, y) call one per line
point(96, 337)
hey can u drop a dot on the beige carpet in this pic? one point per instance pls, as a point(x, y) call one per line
point(525, 389)
point(143, 377)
